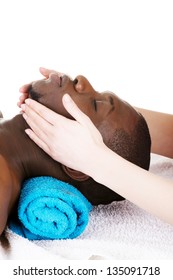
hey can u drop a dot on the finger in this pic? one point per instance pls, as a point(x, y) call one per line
point(46, 72)
point(74, 110)
point(44, 112)
point(24, 88)
point(37, 140)
point(39, 125)
point(19, 103)
point(22, 99)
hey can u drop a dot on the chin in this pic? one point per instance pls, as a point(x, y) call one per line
point(34, 95)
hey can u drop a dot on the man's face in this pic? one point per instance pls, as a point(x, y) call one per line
point(106, 110)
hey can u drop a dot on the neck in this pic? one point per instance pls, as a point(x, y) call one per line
point(24, 156)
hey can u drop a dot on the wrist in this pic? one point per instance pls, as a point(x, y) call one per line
point(99, 162)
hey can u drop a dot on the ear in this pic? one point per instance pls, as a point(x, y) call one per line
point(74, 174)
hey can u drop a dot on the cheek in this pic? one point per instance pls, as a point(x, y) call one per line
point(106, 131)
point(54, 103)
point(85, 106)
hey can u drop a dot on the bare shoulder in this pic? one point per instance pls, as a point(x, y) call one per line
point(9, 186)
point(9, 192)
point(4, 168)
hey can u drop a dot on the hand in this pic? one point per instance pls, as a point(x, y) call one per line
point(74, 143)
point(24, 89)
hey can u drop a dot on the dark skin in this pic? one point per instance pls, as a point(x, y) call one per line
point(106, 110)
point(21, 158)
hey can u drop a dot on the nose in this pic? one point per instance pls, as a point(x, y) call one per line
point(82, 84)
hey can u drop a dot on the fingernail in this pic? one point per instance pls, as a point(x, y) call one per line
point(27, 131)
point(23, 106)
point(42, 68)
point(27, 101)
point(67, 97)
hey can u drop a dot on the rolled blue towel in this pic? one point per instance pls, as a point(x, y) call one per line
point(50, 209)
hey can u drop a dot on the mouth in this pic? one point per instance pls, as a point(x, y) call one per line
point(53, 77)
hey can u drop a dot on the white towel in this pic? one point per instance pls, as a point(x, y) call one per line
point(119, 230)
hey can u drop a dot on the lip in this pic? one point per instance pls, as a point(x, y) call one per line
point(59, 79)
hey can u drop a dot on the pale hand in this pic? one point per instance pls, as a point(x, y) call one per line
point(75, 143)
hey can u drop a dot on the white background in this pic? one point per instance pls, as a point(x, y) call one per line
point(122, 46)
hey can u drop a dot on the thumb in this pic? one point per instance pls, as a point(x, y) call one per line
point(74, 110)
point(45, 72)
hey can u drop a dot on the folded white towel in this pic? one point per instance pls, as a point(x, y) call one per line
point(119, 230)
